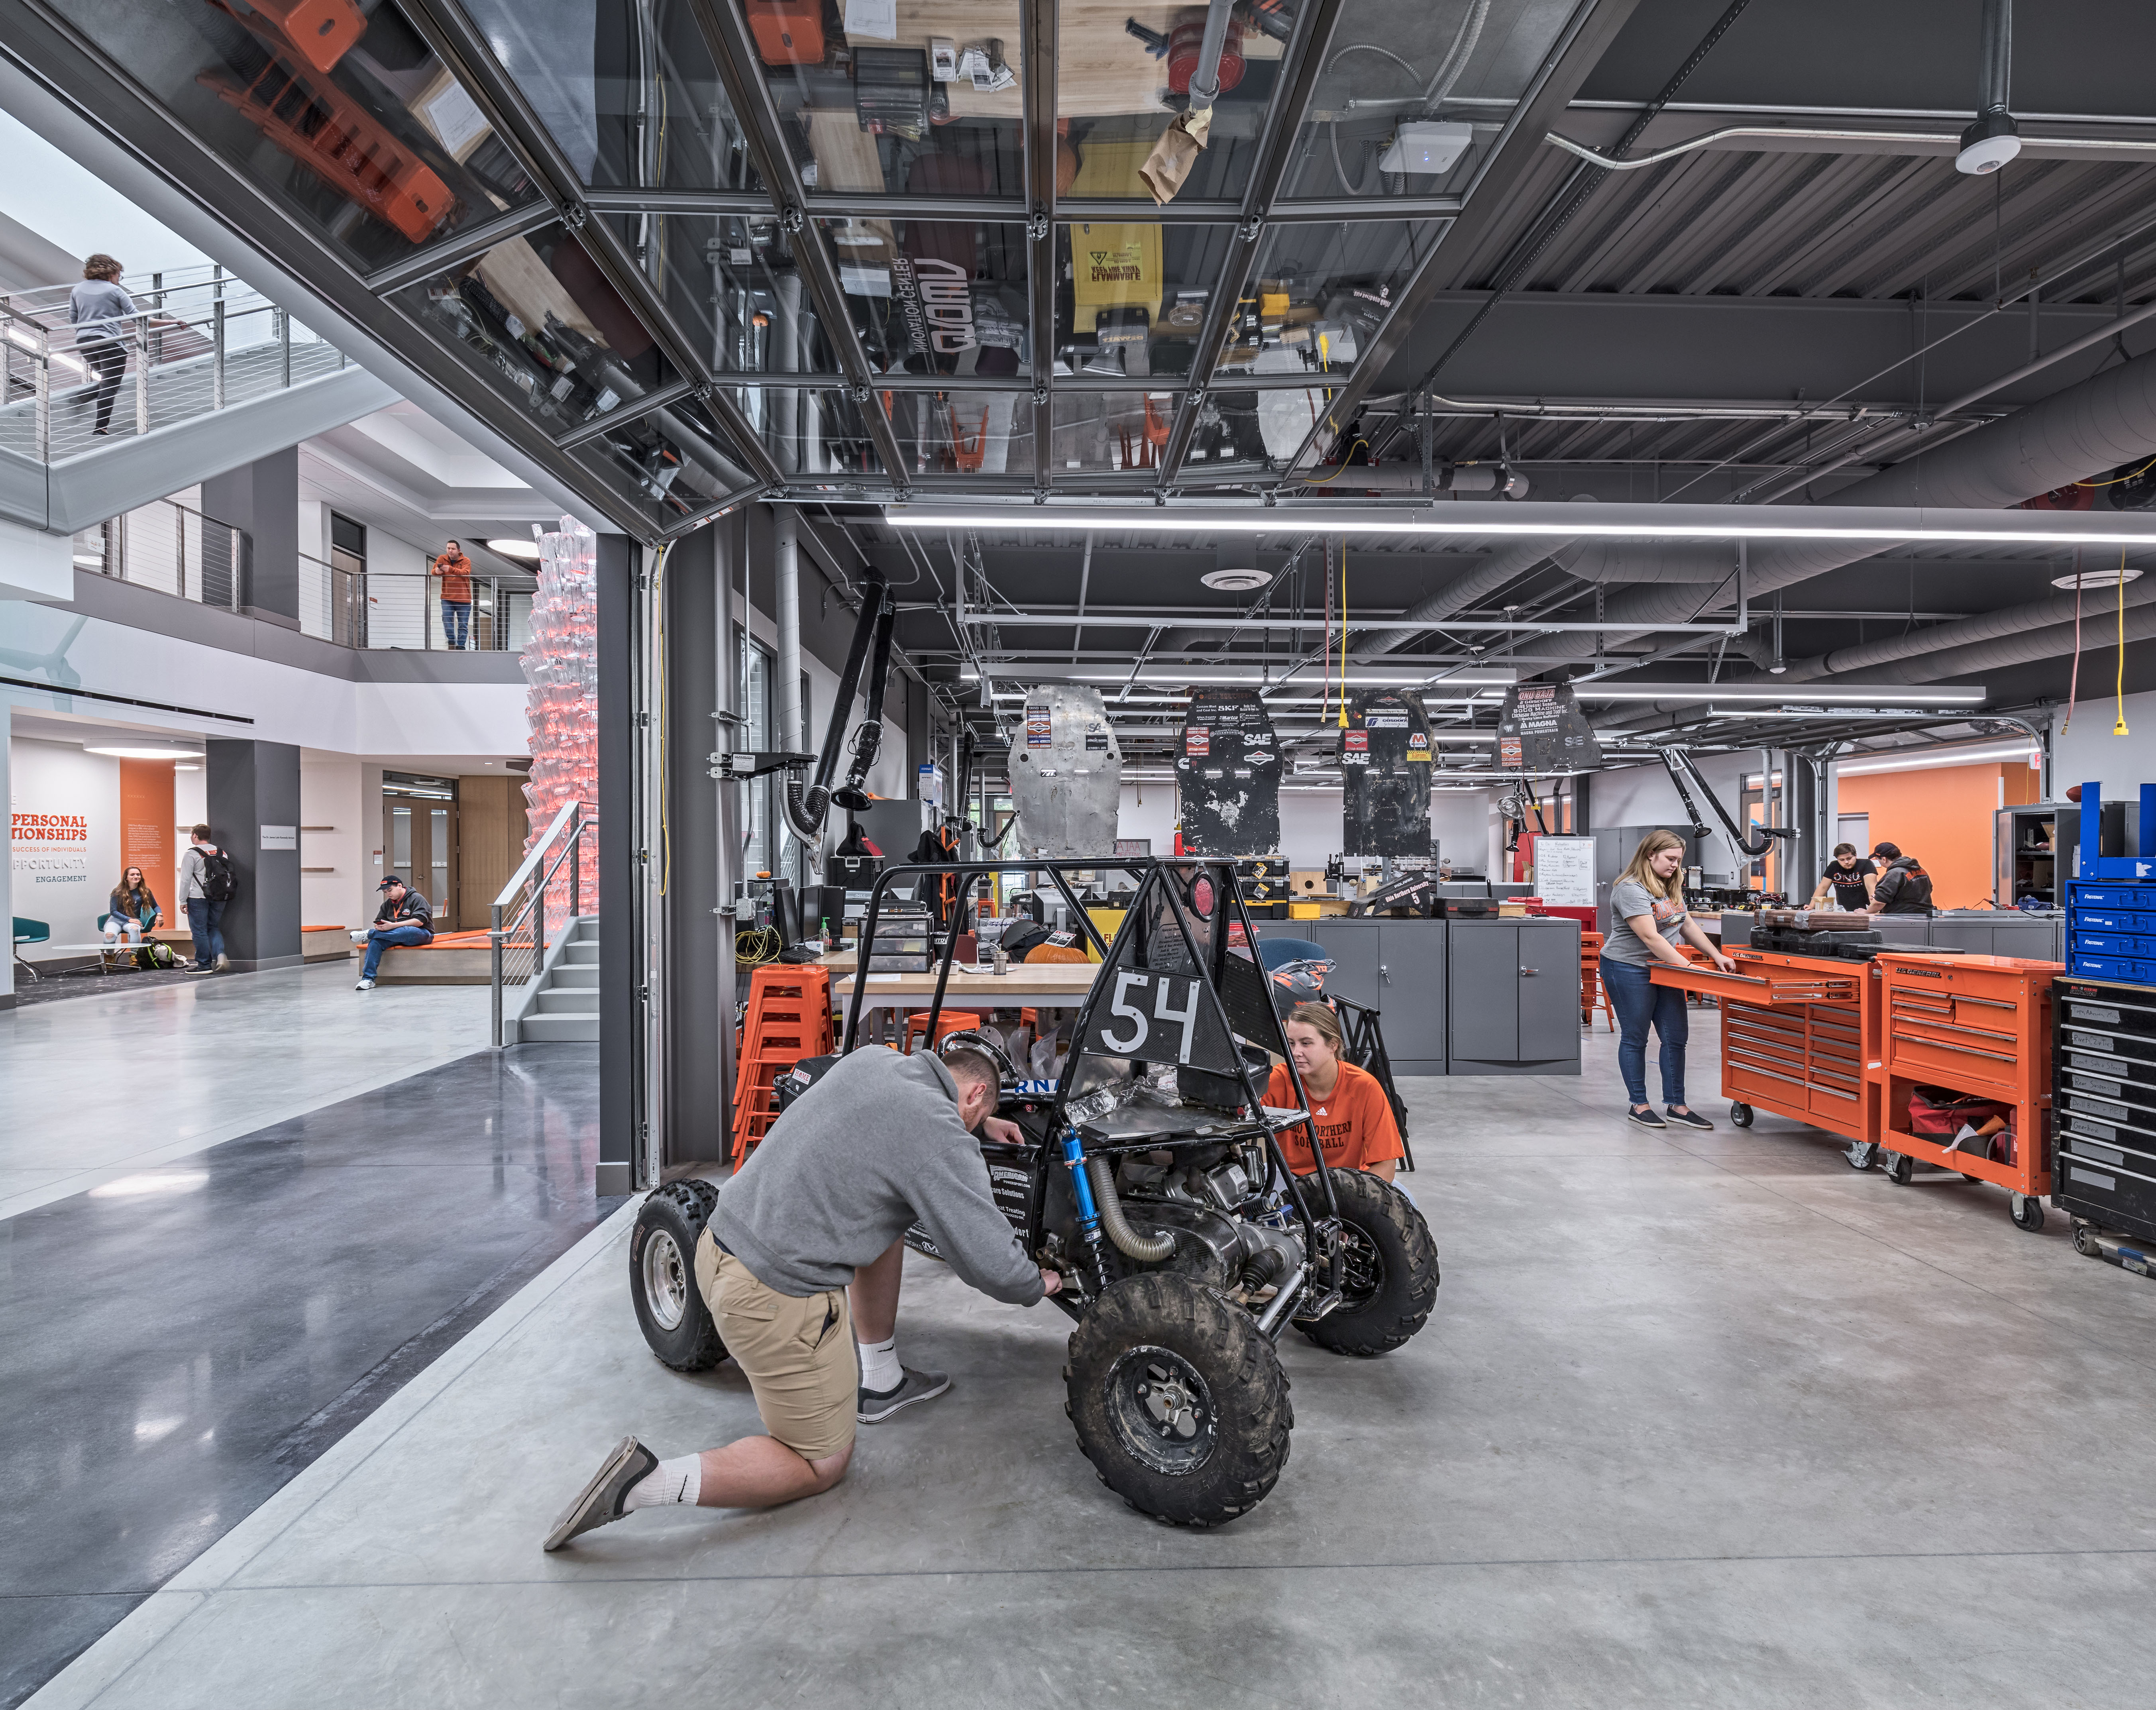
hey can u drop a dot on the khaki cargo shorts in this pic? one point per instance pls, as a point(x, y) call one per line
point(798, 1352)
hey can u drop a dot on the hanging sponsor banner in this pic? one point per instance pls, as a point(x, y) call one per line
point(1229, 783)
point(1384, 793)
point(1542, 729)
point(1065, 788)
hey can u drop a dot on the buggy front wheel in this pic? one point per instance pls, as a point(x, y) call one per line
point(662, 1277)
point(1179, 1400)
point(1388, 1270)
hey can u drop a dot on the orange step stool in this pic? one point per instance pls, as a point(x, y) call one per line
point(949, 1022)
point(789, 1017)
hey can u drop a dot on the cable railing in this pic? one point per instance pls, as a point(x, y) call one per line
point(538, 904)
point(173, 548)
point(194, 346)
point(379, 609)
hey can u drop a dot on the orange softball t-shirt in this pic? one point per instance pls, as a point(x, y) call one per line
point(1355, 1126)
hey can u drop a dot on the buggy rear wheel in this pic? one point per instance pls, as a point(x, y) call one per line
point(1388, 1270)
point(662, 1277)
point(1179, 1400)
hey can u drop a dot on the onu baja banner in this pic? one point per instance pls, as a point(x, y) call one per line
point(1228, 775)
point(1385, 768)
point(1542, 729)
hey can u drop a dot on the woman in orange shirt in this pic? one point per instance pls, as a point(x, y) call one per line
point(1352, 1116)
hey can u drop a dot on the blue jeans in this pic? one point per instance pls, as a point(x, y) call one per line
point(1638, 1002)
point(203, 917)
point(456, 622)
point(380, 938)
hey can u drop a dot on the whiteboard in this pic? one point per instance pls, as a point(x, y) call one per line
point(1564, 871)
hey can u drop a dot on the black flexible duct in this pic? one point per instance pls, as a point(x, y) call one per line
point(805, 808)
point(853, 795)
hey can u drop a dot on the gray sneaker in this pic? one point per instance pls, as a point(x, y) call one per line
point(224, 962)
point(599, 1503)
point(874, 1406)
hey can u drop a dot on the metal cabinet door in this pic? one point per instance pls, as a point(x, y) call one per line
point(1411, 994)
point(1354, 945)
point(1482, 999)
point(1549, 992)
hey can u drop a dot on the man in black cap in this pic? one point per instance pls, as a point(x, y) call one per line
point(1903, 887)
point(403, 918)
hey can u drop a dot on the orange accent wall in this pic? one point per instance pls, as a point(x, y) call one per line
point(1943, 815)
point(146, 834)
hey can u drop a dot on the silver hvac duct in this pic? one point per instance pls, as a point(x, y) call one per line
point(2101, 628)
point(1407, 478)
point(2017, 622)
point(2106, 420)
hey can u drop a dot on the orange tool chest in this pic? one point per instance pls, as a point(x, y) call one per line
point(1976, 1024)
point(1799, 1036)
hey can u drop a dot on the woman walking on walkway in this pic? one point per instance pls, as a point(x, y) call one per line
point(1647, 915)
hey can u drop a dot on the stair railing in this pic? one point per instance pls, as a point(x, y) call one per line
point(517, 931)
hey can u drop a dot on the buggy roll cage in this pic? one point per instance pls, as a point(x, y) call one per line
point(1207, 965)
point(1679, 761)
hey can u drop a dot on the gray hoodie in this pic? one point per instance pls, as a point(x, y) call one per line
point(871, 1147)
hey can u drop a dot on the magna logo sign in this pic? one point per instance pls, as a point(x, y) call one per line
point(936, 298)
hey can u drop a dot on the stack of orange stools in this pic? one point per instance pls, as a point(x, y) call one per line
point(789, 1017)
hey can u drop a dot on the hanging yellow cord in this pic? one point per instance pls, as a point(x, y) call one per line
point(2119, 729)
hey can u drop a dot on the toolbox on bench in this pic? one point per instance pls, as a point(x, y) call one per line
point(2104, 1059)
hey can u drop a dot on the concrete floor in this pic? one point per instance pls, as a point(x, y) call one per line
point(99, 1086)
point(181, 1341)
point(1701, 1419)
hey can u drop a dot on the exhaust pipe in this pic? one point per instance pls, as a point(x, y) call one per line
point(868, 741)
point(806, 808)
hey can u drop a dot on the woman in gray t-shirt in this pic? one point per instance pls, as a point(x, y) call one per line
point(99, 310)
point(1647, 920)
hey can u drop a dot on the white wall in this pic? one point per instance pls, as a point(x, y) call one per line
point(1148, 810)
point(329, 797)
point(397, 609)
point(190, 809)
point(2089, 754)
point(287, 703)
point(62, 874)
point(1310, 818)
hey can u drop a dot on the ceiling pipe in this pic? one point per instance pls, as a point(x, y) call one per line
point(2106, 420)
point(1984, 626)
point(1992, 140)
point(786, 560)
point(2101, 631)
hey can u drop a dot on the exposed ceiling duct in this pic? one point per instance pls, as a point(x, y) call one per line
point(2101, 631)
point(2108, 419)
point(2008, 621)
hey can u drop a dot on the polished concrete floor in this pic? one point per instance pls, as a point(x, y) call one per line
point(181, 1339)
point(1702, 1419)
point(102, 1086)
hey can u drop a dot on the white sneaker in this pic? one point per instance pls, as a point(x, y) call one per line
point(365, 985)
point(224, 962)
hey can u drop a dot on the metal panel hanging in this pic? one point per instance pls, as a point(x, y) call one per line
point(1385, 767)
point(1066, 774)
point(1229, 775)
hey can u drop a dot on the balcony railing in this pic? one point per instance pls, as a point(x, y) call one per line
point(173, 548)
point(404, 609)
point(194, 346)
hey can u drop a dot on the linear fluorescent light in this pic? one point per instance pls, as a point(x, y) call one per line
point(1768, 694)
point(1839, 714)
point(1963, 756)
point(1229, 676)
point(122, 750)
point(1572, 520)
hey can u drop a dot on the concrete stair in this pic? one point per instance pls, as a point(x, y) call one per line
point(562, 1006)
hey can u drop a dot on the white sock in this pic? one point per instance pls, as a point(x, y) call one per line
point(880, 1371)
point(667, 1484)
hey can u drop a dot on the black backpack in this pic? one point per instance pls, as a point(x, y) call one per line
point(220, 878)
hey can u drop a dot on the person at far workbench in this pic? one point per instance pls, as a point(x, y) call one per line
point(1903, 886)
point(1647, 915)
point(1850, 877)
point(1354, 1117)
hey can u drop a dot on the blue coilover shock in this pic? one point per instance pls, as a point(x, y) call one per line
point(1082, 1188)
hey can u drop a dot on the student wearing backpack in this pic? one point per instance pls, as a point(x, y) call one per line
point(208, 881)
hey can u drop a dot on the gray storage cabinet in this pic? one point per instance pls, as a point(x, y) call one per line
point(1514, 997)
point(1396, 967)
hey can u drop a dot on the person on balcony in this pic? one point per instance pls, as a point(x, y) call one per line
point(96, 309)
point(405, 917)
point(455, 570)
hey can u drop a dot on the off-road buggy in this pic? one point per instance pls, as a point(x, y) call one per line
point(1153, 1178)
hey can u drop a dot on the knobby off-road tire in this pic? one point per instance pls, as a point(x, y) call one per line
point(1179, 1400)
point(662, 1277)
point(1391, 1270)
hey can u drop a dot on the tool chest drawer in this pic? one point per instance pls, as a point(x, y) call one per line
point(2112, 920)
point(1759, 984)
point(2087, 894)
point(2121, 1196)
point(2104, 1062)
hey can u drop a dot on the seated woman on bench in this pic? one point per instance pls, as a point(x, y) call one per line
point(132, 911)
point(1354, 1117)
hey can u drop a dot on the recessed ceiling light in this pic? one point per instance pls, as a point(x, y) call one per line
point(2089, 580)
point(510, 547)
point(121, 751)
point(1234, 581)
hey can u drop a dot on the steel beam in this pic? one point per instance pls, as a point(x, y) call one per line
point(1594, 27)
point(1037, 37)
point(1302, 64)
point(733, 50)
